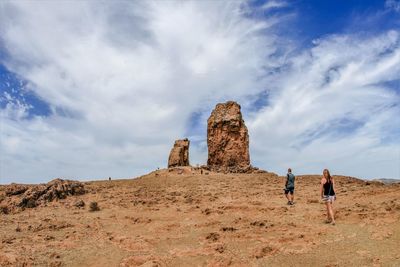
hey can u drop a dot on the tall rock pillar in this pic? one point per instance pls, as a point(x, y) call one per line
point(179, 155)
point(227, 139)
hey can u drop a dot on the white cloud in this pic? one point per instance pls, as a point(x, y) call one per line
point(123, 81)
point(393, 5)
point(271, 4)
point(334, 110)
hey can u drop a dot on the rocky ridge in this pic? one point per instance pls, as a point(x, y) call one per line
point(20, 196)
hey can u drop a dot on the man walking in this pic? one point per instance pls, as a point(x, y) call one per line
point(289, 187)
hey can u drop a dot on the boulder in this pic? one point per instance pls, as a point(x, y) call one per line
point(79, 204)
point(228, 139)
point(179, 155)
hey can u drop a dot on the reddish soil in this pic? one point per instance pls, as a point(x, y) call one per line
point(183, 218)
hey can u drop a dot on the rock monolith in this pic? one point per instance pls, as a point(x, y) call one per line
point(227, 139)
point(179, 155)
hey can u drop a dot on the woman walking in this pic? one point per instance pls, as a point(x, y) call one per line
point(328, 195)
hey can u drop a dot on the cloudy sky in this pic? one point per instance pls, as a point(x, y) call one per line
point(92, 89)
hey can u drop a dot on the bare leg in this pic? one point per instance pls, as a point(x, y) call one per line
point(287, 196)
point(292, 196)
point(331, 214)
point(328, 219)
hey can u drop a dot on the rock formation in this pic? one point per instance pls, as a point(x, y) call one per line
point(227, 139)
point(30, 196)
point(179, 155)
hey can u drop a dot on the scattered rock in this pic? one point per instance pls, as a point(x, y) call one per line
point(228, 229)
point(179, 155)
point(213, 237)
point(259, 223)
point(49, 237)
point(8, 240)
point(136, 220)
point(79, 204)
point(260, 253)
point(93, 206)
point(220, 248)
point(4, 209)
point(207, 211)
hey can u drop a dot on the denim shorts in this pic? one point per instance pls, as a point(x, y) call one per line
point(289, 190)
point(328, 198)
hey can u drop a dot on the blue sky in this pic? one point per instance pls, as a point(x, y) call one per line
point(89, 91)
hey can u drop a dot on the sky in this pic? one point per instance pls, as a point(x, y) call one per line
point(91, 90)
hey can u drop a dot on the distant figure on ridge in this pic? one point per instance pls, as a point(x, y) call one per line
point(328, 195)
point(289, 187)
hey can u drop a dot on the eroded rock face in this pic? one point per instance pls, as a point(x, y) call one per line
point(227, 139)
point(30, 196)
point(15, 189)
point(179, 155)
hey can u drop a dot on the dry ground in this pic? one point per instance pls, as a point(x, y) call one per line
point(171, 219)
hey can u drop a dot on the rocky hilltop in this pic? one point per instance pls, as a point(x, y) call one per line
point(227, 141)
point(190, 218)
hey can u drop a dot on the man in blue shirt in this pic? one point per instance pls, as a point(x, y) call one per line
point(289, 187)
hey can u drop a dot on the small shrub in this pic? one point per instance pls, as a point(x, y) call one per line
point(79, 204)
point(94, 206)
point(4, 210)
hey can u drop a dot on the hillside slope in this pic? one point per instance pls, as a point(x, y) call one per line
point(184, 218)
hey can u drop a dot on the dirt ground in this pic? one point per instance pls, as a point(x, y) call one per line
point(184, 218)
